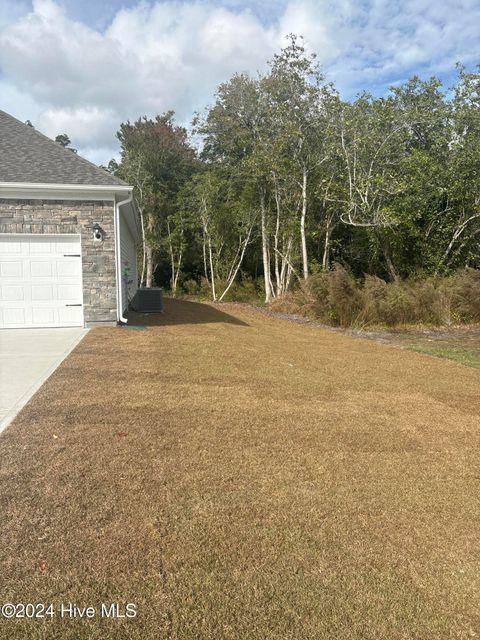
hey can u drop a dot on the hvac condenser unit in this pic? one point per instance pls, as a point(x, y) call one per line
point(148, 300)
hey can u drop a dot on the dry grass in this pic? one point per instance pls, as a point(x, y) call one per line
point(241, 477)
point(338, 299)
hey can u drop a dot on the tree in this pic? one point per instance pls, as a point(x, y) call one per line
point(274, 131)
point(290, 179)
point(224, 212)
point(462, 225)
point(65, 142)
point(233, 131)
point(296, 98)
point(112, 166)
point(156, 159)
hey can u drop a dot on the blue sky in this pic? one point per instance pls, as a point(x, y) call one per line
point(84, 66)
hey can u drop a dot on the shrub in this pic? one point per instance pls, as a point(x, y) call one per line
point(246, 290)
point(205, 291)
point(464, 291)
point(344, 297)
point(398, 307)
point(336, 298)
point(427, 300)
point(315, 299)
point(374, 300)
point(191, 287)
point(332, 297)
point(288, 303)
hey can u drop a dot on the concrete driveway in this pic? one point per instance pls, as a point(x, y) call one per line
point(27, 358)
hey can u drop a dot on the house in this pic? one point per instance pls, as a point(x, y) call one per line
point(68, 234)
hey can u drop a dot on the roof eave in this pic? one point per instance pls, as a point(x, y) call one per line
point(50, 191)
point(129, 211)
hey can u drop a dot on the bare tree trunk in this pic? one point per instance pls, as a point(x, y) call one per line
point(144, 247)
point(275, 245)
point(207, 243)
point(212, 273)
point(302, 224)
point(149, 254)
point(456, 235)
point(289, 277)
point(388, 260)
point(285, 269)
point(234, 271)
point(326, 246)
point(149, 266)
point(177, 273)
point(173, 277)
point(265, 253)
point(289, 271)
point(205, 267)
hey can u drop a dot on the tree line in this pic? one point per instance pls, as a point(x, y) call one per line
point(280, 178)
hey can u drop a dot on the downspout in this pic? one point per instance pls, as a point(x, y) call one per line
point(118, 254)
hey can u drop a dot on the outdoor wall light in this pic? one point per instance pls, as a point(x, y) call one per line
point(98, 233)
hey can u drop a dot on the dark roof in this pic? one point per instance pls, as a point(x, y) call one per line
point(26, 155)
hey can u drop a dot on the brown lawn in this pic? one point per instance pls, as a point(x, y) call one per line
point(237, 476)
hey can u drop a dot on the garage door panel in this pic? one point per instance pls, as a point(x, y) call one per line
point(69, 268)
point(14, 316)
point(67, 292)
point(38, 288)
point(10, 247)
point(40, 247)
point(71, 315)
point(43, 315)
point(12, 293)
point(41, 269)
point(10, 269)
point(42, 292)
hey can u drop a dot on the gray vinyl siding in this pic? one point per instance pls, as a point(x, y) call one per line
point(128, 255)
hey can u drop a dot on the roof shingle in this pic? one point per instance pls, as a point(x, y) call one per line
point(26, 155)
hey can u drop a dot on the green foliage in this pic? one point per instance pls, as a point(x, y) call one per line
point(290, 180)
point(63, 140)
point(157, 159)
point(191, 287)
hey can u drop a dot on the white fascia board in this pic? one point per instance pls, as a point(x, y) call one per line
point(37, 191)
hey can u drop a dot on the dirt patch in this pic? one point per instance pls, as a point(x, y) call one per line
point(242, 477)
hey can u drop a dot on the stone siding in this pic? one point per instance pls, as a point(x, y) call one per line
point(70, 216)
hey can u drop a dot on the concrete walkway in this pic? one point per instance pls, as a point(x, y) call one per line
point(27, 358)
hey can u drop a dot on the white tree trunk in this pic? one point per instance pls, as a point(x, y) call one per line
point(265, 252)
point(212, 273)
point(457, 233)
point(278, 281)
point(302, 225)
point(149, 266)
point(234, 271)
point(177, 273)
point(144, 247)
point(326, 247)
point(205, 267)
point(173, 277)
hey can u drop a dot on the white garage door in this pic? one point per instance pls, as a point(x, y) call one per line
point(40, 281)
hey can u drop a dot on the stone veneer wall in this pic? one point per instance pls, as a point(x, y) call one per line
point(71, 216)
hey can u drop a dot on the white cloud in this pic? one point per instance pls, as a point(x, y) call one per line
point(11, 11)
point(18, 103)
point(82, 124)
point(69, 77)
